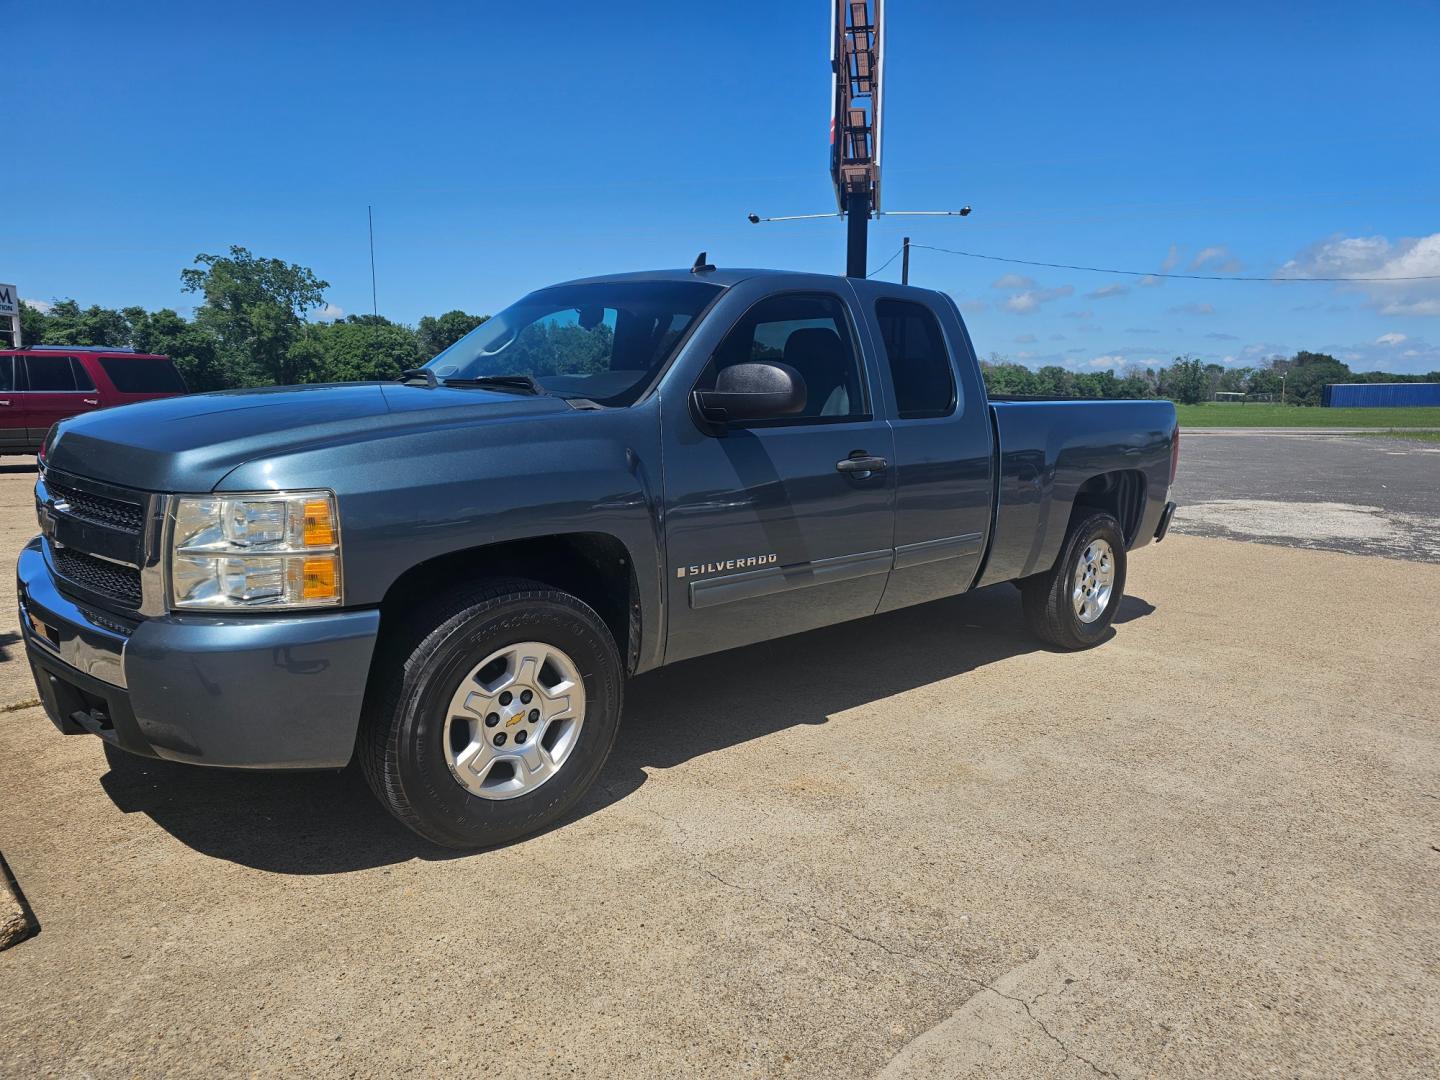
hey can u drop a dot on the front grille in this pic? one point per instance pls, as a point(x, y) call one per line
point(120, 583)
point(128, 517)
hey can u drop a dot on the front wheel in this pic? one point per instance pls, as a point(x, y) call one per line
point(492, 713)
point(1073, 604)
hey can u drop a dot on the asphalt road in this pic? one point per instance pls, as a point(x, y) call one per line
point(1336, 492)
point(917, 846)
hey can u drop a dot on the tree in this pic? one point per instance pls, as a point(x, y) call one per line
point(357, 348)
point(66, 324)
point(195, 351)
point(1308, 374)
point(438, 333)
point(33, 324)
point(1186, 380)
point(256, 309)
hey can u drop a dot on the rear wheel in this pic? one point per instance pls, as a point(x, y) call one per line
point(1073, 604)
point(492, 713)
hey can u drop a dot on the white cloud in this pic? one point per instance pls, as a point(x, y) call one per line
point(1013, 281)
point(1391, 339)
point(972, 307)
point(1110, 361)
point(1172, 259)
point(1026, 339)
point(1150, 281)
point(1108, 290)
point(1218, 254)
point(1378, 257)
point(38, 305)
point(329, 312)
point(1023, 303)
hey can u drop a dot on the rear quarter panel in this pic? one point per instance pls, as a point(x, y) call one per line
point(1047, 450)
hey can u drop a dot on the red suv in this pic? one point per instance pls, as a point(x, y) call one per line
point(44, 384)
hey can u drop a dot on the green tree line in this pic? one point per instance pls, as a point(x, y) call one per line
point(1188, 379)
point(252, 328)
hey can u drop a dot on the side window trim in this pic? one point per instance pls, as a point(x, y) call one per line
point(856, 351)
point(957, 391)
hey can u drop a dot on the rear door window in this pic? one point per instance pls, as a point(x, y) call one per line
point(919, 362)
point(132, 376)
point(50, 373)
point(7, 374)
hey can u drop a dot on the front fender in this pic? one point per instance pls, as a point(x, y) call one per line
point(416, 496)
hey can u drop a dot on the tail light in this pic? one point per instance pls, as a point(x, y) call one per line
point(1174, 453)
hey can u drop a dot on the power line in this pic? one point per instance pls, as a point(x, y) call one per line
point(1149, 273)
point(891, 259)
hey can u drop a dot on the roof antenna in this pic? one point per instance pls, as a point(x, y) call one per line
point(701, 266)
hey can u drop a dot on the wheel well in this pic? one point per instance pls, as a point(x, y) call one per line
point(1121, 494)
point(596, 567)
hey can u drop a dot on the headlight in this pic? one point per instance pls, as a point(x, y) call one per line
point(276, 550)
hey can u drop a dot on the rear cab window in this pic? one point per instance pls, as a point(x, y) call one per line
point(132, 375)
point(919, 361)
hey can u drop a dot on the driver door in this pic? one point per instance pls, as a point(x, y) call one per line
point(769, 530)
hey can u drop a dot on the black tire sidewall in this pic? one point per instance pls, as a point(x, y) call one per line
point(452, 814)
point(1099, 527)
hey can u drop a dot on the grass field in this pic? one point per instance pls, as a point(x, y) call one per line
point(1262, 415)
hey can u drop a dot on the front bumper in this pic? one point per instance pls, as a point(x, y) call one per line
point(243, 692)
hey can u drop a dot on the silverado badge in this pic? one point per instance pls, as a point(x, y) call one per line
point(749, 562)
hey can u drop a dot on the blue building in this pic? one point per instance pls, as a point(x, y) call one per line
point(1381, 395)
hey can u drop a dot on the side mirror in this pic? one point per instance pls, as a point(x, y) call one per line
point(752, 392)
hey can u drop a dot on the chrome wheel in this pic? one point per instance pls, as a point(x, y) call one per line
point(514, 720)
point(1094, 581)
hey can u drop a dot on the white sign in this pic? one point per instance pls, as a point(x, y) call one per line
point(9, 300)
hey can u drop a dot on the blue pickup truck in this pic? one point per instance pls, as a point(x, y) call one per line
point(450, 577)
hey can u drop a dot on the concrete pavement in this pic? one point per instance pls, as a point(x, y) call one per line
point(918, 846)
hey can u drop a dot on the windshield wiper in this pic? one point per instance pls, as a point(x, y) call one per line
point(424, 374)
point(527, 383)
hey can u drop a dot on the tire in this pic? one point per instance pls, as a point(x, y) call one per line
point(1050, 600)
point(412, 733)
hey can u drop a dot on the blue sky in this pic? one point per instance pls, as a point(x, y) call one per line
point(508, 146)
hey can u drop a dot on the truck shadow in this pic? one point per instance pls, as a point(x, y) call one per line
point(327, 823)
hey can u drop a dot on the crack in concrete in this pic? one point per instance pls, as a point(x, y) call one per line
point(916, 958)
point(845, 929)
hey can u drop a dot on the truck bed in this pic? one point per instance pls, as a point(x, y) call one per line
point(1048, 454)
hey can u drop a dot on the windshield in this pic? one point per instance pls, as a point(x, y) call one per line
point(605, 341)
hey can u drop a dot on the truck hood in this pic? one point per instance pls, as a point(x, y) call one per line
point(190, 443)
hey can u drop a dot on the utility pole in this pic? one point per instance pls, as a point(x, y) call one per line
point(905, 262)
point(857, 61)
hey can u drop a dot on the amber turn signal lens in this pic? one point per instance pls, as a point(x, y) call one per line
point(319, 579)
point(319, 525)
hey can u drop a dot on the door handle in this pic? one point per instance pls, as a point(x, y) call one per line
point(91, 401)
point(4, 402)
point(861, 464)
